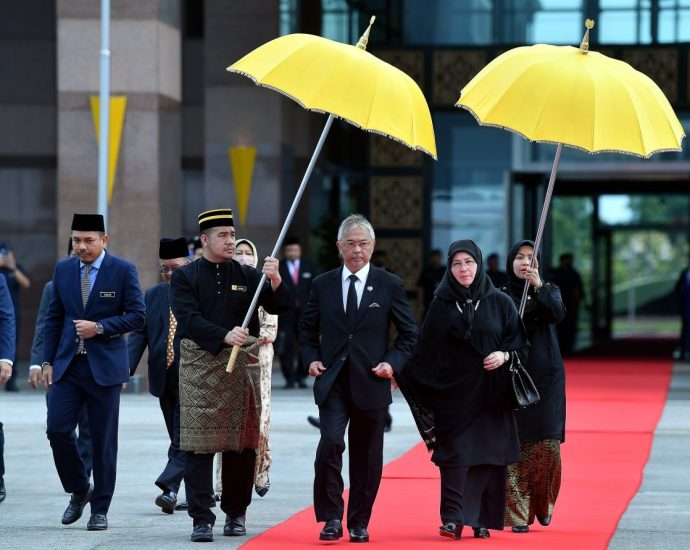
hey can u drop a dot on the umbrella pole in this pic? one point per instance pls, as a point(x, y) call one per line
point(542, 222)
point(281, 236)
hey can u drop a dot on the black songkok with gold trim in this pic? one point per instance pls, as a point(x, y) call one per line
point(215, 218)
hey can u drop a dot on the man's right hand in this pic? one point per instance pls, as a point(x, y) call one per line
point(5, 372)
point(35, 376)
point(47, 376)
point(316, 369)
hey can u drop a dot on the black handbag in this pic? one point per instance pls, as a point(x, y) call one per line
point(524, 391)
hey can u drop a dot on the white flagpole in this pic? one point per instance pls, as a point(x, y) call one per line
point(104, 113)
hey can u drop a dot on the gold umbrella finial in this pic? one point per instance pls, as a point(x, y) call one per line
point(584, 45)
point(362, 44)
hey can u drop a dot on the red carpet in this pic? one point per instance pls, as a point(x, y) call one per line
point(613, 409)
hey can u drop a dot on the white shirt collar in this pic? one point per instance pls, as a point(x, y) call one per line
point(362, 274)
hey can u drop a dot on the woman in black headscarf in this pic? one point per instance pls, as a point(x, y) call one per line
point(456, 379)
point(534, 482)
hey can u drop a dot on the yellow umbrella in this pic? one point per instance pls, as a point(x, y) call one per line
point(346, 82)
point(571, 96)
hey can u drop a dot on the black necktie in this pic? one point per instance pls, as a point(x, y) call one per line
point(351, 308)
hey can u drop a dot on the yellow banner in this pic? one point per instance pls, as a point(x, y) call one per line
point(118, 105)
point(242, 164)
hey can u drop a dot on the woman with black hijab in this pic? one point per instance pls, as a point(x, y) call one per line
point(534, 482)
point(456, 381)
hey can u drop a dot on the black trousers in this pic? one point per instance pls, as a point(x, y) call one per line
point(65, 400)
point(473, 495)
point(365, 444)
point(288, 336)
point(171, 476)
point(238, 483)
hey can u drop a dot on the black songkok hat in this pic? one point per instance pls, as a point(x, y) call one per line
point(88, 222)
point(215, 218)
point(173, 248)
point(290, 240)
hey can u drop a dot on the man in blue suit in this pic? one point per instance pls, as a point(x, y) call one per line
point(96, 301)
point(7, 349)
point(161, 336)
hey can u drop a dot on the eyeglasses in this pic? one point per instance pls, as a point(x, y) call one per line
point(351, 245)
point(166, 269)
point(469, 264)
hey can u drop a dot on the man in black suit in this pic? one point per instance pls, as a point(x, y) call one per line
point(344, 340)
point(160, 335)
point(298, 274)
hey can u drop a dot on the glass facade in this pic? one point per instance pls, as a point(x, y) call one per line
point(469, 183)
point(488, 184)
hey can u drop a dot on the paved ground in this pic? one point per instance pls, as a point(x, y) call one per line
point(30, 516)
point(658, 517)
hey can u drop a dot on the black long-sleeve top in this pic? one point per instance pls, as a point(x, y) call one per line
point(209, 299)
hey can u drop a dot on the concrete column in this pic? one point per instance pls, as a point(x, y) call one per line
point(145, 67)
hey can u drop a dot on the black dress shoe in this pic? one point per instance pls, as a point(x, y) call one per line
point(3, 493)
point(234, 527)
point(481, 532)
point(261, 491)
point(520, 529)
point(97, 522)
point(451, 530)
point(333, 530)
point(167, 502)
point(76, 506)
point(358, 534)
point(184, 505)
point(544, 521)
point(302, 384)
point(203, 532)
point(314, 421)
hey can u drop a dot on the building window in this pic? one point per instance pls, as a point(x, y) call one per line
point(674, 21)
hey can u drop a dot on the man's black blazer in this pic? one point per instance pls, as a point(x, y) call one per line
point(154, 334)
point(325, 335)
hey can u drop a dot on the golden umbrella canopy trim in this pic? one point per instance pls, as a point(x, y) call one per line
point(586, 100)
point(346, 81)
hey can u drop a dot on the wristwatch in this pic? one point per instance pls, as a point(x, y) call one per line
point(506, 356)
point(99, 328)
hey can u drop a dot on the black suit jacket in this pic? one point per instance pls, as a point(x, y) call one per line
point(325, 335)
point(299, 293)
point(154, 334)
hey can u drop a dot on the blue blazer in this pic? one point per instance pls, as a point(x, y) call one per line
point(154, 334)
point(115, 301)
point(7, 328)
